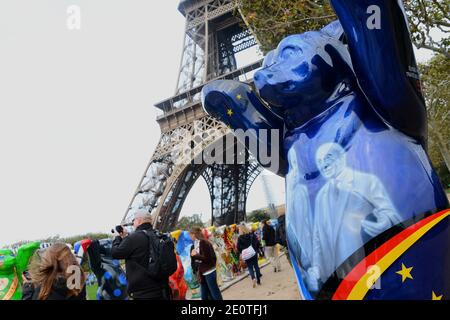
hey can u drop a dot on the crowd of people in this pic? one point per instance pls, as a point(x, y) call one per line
point(55, 272)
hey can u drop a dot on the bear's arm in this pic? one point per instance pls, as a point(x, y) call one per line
point(236, 104)
point(384, 63)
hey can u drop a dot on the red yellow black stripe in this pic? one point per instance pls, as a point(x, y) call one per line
point(357, 282)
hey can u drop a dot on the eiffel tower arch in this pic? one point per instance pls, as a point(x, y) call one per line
point(214, 34)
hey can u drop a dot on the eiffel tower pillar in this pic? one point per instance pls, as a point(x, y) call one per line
point(214, 33)
point(228, 187)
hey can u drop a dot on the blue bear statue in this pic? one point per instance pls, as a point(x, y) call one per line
point(366, 214)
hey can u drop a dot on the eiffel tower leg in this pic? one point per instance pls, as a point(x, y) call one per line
point(228, 186)
point(171, 208)
point(214, 34)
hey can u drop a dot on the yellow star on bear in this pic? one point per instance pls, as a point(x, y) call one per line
point(229, 112)
point(435, 297)
point(405, 273)
point(239, 97)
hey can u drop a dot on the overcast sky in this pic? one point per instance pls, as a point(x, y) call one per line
point(77, 122)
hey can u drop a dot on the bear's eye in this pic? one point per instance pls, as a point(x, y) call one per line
point(289, 51)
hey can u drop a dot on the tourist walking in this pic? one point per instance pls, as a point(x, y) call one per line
point(248, 246)
point(270, 249)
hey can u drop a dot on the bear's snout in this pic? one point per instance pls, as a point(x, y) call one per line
point(261, 78)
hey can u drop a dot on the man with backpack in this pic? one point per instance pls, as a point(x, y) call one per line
point(149, 259)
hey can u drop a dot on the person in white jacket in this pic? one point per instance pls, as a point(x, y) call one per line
point(351, 208)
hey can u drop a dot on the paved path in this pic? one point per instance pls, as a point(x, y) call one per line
point(274, 286)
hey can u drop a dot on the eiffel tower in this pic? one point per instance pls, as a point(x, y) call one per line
point(214, 33)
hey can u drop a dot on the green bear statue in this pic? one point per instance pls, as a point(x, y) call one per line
point(11, 269)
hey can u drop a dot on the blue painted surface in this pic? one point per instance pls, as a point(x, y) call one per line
point(347, 102)
point(429, 259)
point(112, 283)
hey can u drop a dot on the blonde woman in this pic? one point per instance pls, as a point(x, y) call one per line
point(248, 246)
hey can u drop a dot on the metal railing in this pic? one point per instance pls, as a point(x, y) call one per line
point(192, 96)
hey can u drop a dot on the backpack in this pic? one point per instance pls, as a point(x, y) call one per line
point(163, 260)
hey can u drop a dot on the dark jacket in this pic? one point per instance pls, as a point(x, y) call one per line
point(269, 235)
point(206, 259)
point(59, 291)
point(281, 231)
point(135, 250)
point(27, 291)
point(245, 240)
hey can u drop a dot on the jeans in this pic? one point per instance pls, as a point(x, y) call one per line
point(209, 288)
point(253, 268)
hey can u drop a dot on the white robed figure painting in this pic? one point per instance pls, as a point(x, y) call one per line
point(299, 221)
point(351, 208)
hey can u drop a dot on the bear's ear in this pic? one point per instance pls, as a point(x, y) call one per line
point(269, 59)
point(334, 30)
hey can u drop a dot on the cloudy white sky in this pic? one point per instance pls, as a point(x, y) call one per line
point(77, 122)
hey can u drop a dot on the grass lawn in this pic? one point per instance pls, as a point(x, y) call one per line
point(92, 292)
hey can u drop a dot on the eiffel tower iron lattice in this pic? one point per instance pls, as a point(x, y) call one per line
point(214, 33)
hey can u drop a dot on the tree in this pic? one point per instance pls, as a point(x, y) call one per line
point(93, 236)
point(186, 223)
point(72, 240)
point(436, 87)
point(272, 20)
point(257, 216)
point(430, 24)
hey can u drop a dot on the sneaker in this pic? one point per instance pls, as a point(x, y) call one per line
point(254, 283)
point(258, 282)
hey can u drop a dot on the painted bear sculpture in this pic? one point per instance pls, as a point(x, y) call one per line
point(111, 279)
point(12, 266)
point(366, 215)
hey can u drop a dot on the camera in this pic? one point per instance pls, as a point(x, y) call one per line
point(119, 228)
